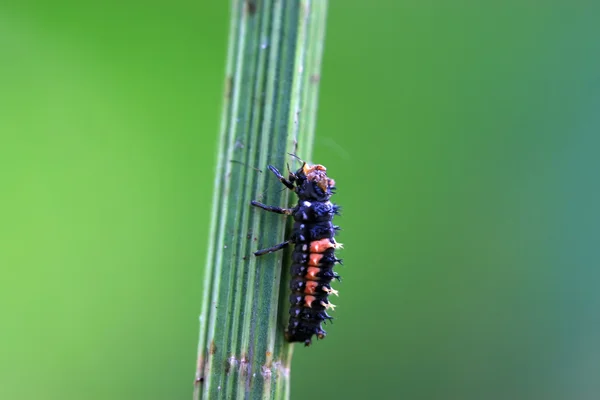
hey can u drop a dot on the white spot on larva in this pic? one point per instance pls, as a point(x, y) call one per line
point(302, 238)
point(304, 216)
point(307, 204)
point(301, 226)
point(304, 248)
point(219, 387)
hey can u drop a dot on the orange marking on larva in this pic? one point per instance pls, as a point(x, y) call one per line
point(319, 246)
point(314, 259)
point(308, 300)
point(311, 287)
point(307, 169)
point(311, 273)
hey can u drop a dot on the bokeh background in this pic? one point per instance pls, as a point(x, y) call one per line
point(464, 137)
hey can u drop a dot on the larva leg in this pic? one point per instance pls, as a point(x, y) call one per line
point(278, 210)
point(277, 247)
point(287, 183)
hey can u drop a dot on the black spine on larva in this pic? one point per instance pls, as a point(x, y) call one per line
point(313, 256)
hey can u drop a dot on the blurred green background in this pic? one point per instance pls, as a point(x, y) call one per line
point(464, 139)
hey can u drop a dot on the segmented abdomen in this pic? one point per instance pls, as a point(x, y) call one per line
point(312, 269)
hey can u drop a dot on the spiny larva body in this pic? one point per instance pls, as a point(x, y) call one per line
point(313, 257)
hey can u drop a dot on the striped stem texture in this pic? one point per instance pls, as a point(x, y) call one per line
point(269, 109)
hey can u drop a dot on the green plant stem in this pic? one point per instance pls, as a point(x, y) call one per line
point(269, 109)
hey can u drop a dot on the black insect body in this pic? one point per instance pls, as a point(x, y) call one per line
point(314, 250)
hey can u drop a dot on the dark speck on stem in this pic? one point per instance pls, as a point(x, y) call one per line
point(251, 7)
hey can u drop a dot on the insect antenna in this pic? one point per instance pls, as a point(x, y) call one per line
point(297, 158)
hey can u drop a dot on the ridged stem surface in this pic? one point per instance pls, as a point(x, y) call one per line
point(269, 110)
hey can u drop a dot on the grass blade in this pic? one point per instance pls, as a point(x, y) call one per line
point(269, 110)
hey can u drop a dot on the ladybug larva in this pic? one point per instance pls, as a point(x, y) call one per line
point(313, 257)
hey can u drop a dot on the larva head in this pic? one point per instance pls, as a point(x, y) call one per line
point(313, 183)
